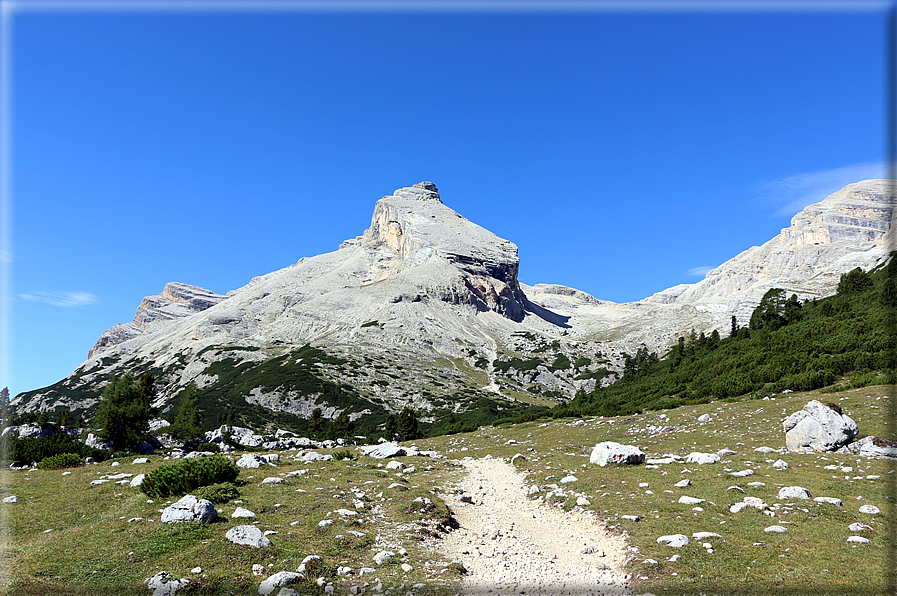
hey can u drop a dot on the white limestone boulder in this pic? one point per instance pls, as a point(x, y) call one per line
point(247, 536)
point(163, 584)
point(189, 509)
point(696, 457)
point(818, 427)
point(278, 580)
point(384, 450)
point(609, 452)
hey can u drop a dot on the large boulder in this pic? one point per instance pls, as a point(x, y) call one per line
point(251, 460)
point(818, 427)
point(609, 452)
point(384, 450)
point(187, 509)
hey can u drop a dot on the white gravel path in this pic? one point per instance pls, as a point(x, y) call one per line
point(512, 545)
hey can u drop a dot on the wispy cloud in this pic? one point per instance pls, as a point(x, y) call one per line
point(64, 299)
point(793, 193)
point(699, 271)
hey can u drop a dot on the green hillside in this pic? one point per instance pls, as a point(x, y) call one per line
point(845, 340)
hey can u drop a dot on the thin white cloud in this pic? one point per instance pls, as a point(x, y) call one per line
point(64, 299)
point(793, 193)
point(699, 271)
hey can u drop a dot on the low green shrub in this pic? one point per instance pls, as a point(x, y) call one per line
point(221, 492)
point(213, 447)
point(189, 474)
point(341, 455)
point(62, 460)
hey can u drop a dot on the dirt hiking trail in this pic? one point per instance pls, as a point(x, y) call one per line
point(512, 545)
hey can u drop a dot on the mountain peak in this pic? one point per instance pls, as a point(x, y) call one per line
point(422, 191)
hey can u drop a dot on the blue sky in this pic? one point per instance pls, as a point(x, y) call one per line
point(623, 151)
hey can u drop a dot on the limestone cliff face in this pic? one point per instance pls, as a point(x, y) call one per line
point(177, 300)
point(848, 229)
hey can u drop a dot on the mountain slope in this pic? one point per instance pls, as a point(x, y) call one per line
point(424, 309)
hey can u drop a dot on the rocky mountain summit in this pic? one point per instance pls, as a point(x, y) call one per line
point(425, 309)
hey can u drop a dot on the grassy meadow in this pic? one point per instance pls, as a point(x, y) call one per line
point(66, 536)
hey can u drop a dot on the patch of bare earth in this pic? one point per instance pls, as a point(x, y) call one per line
point(510, 544)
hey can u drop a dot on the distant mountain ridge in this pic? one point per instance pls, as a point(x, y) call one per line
point(425, 309)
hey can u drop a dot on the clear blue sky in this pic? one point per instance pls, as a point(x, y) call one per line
point(623, 152)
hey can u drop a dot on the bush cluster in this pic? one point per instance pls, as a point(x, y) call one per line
point(57, 462)
point(221, 492)
point(189, 474)
point(34, 449)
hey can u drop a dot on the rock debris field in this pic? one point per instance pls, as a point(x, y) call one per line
point(512, 545)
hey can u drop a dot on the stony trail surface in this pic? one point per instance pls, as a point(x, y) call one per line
point(510, 544)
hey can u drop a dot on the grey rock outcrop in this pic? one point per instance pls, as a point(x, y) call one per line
point(818, 427)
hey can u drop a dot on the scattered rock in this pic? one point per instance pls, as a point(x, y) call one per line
point(674, 540)
point(794, 492)
point(704, 418)
point(858, 539)
point(689, 500)
point(278, 580)
point(858, 527)
point(831, 500)
point(10, 499)
point(775, 529)
point(241, 512)
point(137, 480)
point(383, 557)
point(871, 509)
point(682, 483)
point(163, 584)
point(696, 457)
point(248, 536)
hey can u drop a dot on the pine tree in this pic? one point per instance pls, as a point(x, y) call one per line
point(391, 428)
point(407, 425)
point(734, 331)
point(125, 410)
point(188, 422)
